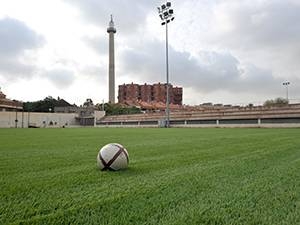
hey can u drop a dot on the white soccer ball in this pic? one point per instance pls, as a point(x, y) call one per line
point(112, 156)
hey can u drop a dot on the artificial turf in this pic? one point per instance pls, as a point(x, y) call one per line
point(175, 176)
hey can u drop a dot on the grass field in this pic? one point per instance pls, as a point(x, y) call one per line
point(175, 176)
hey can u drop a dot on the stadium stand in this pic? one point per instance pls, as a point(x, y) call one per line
point(212, 115)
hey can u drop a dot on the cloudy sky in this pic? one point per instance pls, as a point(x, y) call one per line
point(221, 51)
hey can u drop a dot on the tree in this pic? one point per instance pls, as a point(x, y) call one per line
point(46, 105)
point(88, 103)
point(276, 102)
point(118, 109)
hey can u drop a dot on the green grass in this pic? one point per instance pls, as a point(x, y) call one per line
point(175, 176)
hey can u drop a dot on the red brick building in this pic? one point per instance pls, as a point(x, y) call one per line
point(131, 93)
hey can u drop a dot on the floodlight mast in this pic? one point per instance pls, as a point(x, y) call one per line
point(166, 15)
point(286, 84)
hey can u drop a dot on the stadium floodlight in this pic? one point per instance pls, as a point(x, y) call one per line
point(286, 84)
point(166, 15)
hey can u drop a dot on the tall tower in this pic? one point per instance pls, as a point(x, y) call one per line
point(111, 30)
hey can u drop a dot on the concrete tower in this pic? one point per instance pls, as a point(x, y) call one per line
point(111, 30)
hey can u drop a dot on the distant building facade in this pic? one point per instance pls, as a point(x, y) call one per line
point(9, 105)
point(149, 93)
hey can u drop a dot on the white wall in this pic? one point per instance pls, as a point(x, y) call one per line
point(98, 115)
point(7, 119)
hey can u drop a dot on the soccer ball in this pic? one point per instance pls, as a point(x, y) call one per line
point(112, 156)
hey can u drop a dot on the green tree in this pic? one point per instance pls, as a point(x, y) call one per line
point(276, 102)
point(45, 105)
point(118, 109)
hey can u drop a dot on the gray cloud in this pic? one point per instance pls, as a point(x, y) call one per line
point(206, 72)
point(271, 24)
point(265, 33)
point(243, 24)
point(15, 39)
point(98, 44)
point(128, 16)
point(247, 46)
point(61, 78)
point(259, 32)
point(12, 68)
point(97, 73)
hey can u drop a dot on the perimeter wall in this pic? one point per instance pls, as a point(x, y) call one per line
point(31, 119)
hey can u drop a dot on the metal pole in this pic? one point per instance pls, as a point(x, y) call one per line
point(166, 14)
point(28, 118)
point(286, 84)
point(16, 120)
point(167, 73)
point(23, 118)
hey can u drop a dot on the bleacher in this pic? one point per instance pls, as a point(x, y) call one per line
point(211, 115)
